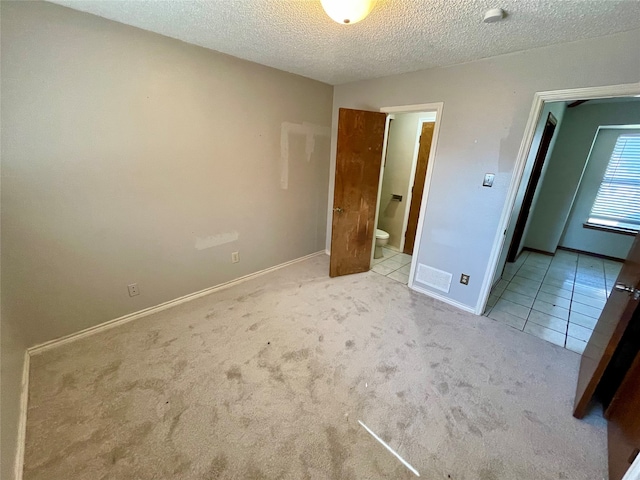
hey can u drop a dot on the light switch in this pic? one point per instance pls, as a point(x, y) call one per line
point(488, 180)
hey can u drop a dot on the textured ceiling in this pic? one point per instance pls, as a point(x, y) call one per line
point(399, 35)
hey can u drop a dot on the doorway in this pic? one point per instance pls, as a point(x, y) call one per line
point(534, 179)
point(561, 267)
point(361, 147)
point(403, 176)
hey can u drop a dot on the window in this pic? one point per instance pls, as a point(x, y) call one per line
point(617, 204)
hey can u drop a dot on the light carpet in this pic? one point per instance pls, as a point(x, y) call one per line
point(268, 379)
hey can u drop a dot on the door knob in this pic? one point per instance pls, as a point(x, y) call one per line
point(337, 209)
point(621, 287)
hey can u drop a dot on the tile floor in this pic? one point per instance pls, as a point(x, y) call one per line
point(558, 299)
point(393, 264)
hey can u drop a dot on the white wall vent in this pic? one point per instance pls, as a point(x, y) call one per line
point(434, 278)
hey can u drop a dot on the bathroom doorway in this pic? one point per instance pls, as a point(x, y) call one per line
point(402, 180)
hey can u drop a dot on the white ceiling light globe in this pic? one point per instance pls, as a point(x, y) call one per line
point(347, 11)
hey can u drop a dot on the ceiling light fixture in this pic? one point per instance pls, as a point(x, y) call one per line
point(347, 11)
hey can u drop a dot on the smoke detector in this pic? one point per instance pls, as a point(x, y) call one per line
point(494, 15)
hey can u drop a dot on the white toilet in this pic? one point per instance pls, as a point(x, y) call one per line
point(382, 238)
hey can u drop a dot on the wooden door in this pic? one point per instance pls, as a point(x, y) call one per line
point(606, 336)
point(523, 216)
point(358, 159)
point(624, 423)
point(426, 137)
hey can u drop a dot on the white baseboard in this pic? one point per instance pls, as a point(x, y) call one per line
point(22, 419)
point(327, 252)
point(37, 349)
point(444, 299)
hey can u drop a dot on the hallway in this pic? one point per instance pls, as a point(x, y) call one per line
point(557, 298)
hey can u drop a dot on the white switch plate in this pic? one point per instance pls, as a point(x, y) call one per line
point(488, 180)
point(133, 290)
point(235, 257)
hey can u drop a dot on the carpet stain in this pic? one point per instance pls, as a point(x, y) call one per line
point(387, 370)
point(254, 473)
point(137, 436)
point(321, 338)
point(179, 367)
point(218, 466)
point(183, 465)
point(338, 453)
point(340, 317)
point(492, 471)
point(296, 356)
point(117, 453)
point(234, 373)
point(174, 422)
point(486, 474)
point(532, 417)
point(152, 338)
point(350, 344)
point(156, 384)
point(253, 327)
point(463, 384)
point(438, 346)
point(275, 372)
point(67, 382)
point(110, 369)
point(443, 388)
point(361, 307)
point(244, 298)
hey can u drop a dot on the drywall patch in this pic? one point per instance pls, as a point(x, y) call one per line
point(216, 240)
point(310, 131)
point(434, 278)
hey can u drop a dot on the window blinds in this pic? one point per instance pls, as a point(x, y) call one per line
point(617, 203)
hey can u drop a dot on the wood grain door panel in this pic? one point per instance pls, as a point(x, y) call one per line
point(358, 160)
point(426, 139)
point(624, 423)
point(532, 186)
point(613, 322)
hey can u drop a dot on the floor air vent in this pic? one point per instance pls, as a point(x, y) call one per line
point(434, 278)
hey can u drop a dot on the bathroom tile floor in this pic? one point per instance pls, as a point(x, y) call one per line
point(394, 265)
point(558, 299)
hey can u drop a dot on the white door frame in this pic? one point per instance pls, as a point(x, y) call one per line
point(589, 93)
point(424, 107)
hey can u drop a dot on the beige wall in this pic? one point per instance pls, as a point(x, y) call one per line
point(396, 175)
point(486, 106)
point(127, 155)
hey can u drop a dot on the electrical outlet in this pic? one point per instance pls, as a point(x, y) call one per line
point(235, 257)
point(464, 279)
point(133, 290)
